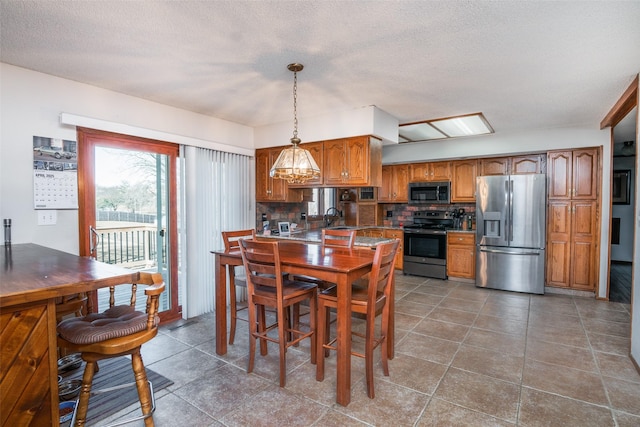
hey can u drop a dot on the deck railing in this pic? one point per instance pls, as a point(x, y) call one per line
point(132, 246)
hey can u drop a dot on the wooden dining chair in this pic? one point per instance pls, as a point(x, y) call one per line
point(231, 242)
point(268, 287)
point(369, 300)
point(118, 331)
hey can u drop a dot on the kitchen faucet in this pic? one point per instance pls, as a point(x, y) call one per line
point(328, 220)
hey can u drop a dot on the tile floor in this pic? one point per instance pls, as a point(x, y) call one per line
point(464, 357)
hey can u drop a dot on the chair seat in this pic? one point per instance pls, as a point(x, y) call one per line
point(116, 322)
point(290, 289)
point(359, 296)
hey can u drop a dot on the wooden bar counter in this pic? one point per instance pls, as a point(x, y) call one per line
point(31, 277)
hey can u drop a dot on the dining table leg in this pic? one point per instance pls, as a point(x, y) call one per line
point(343, 365)
point(221, 305)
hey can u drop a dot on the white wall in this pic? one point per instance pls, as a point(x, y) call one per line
point(521, 142)
point(31, 103)
point(624, 250)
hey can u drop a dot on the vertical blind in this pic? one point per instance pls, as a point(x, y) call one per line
point(217, 195)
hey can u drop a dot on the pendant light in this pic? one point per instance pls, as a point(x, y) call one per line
point(628, 149)
point(295, 164)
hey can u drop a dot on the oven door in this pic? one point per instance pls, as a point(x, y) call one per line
point(431, 245)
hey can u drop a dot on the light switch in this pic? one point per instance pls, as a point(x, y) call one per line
point(47, 217)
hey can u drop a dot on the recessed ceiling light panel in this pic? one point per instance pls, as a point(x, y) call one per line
point(448, 127)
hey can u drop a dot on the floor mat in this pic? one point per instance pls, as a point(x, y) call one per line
point(115, 372)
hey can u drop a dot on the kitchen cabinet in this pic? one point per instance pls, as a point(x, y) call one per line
point(514, 165)
point(463, 181)
point(361, 214)
point(317, 152)
point(572, 174)
point(461, 255)
point(397, 234)
point(353, 161)
point(430, 171)
point(273, 189)
point(572, 245)
point(395, 179)
point(572, 219)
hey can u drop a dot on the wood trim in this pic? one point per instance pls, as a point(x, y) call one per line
point(87, 139)
point(621, 108)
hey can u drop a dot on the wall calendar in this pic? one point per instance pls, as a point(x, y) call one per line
point(55, 173)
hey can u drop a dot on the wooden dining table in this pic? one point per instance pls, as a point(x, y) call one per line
point(336, 265)
point(31, 278)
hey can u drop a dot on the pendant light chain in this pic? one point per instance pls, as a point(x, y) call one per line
point(295, 105)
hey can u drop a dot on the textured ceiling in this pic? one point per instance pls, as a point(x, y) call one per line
point(524, 64)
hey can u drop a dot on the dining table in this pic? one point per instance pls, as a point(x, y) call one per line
point(337, 265)
point(32, 277)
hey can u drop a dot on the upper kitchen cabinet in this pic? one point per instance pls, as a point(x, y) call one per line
point(353, 161)
point(317, 152)
point(463, 181)
point(516, 165)
point(572, 174)
point(273, 189)
point(430, 171)
point(395, 179)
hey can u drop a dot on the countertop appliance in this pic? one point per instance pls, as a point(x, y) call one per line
point(425, 244)
point(429, 192)
point(511, 232)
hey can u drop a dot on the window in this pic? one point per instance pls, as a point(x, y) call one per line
point(323, 199)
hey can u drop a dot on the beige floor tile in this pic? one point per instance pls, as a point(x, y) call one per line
point(428, 348)
point(626, 420)
point(620, 329)
point(415, 309)
point(480, 393)
point(610, 343)
point(616, 366)
point(462, 304)
point(445, 330)
point(406, 321)
point(423, 298)
point(335, 419)
point(624, 395)
point(440, 413)
point(571, 335)
point(274, 406)
point(504, 343)
point(454, 316)
point(573, 383)
point(504, 325)
point(538, 408)
point(507, 311)
point(563, 355)
point(414, 373)
point(494, 364)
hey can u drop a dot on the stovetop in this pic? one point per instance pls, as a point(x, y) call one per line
point(431, 220)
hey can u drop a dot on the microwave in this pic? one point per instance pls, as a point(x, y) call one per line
point(429, 192)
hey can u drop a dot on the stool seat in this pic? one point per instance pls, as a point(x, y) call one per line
point(115, 322)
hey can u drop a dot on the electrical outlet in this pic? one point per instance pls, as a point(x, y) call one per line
point(47, 217)
point(303, 215)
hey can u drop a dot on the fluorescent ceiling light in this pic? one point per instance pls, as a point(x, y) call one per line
point(449, 127)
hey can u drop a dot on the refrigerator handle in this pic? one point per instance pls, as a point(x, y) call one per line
point(498, 251)
point(511, 210)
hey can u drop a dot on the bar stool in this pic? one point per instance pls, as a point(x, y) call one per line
point(231, 239)
point(118, 331)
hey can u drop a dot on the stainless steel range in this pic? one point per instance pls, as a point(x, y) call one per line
point(425, 244)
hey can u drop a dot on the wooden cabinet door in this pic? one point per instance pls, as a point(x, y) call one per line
point(463, 182)
point(317, 152)
point(496, 166)
point(263, 184)
point(334, 161)
point(357, 161)
point(559, 243)
point(440, 171)
point(419, 172)
point(461, 255)
point(526, 164)
point(401, 183)
point(585, 167)
point(385, 194)
point(397, 234)
point(583, 245)
point(560, 165)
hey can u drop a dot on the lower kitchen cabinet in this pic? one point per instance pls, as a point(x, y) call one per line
point(461, 255)
point(397, 234)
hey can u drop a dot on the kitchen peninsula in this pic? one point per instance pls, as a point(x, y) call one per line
point(315, 236)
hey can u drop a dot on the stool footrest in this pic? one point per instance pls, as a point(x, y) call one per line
point(129, 420)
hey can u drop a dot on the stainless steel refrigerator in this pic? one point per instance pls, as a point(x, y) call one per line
point(511, 232)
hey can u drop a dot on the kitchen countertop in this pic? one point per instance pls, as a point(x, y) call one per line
point(315, 236)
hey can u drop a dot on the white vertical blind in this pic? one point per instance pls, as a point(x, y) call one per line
point(218, 196)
